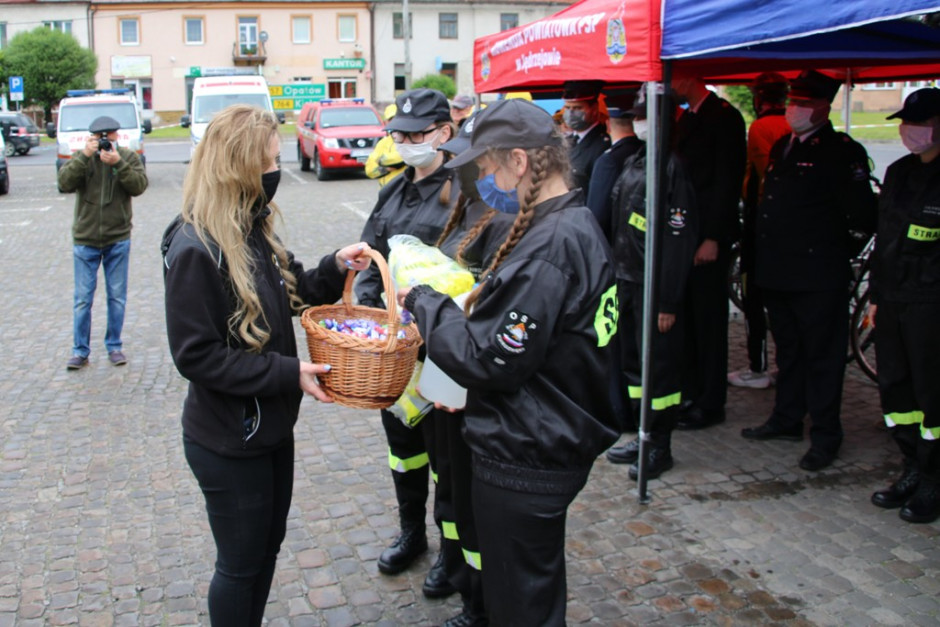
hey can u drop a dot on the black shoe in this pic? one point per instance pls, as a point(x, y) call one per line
point(899, 492)
point(660, 461)
point(624, 454)
point(816, 459)
point(404, 550)
point(769, 432)
point(924, 506)
point(697, 418)
point(436, 584)
point(466, 619)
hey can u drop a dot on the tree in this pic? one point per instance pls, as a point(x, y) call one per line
point(742, 98)
point(51, 62)
point(440, 82)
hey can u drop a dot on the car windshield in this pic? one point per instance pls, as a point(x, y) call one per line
point(20, 120)
point(207, 105)
point(78, 117)
point(350, 116)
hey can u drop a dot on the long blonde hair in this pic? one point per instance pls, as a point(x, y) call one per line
point(544, 162)
point(221, 199)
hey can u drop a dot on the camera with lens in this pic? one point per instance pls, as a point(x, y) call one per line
point(104, 144)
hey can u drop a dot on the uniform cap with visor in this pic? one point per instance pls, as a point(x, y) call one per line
point(920, 106)
point(461, 142)
point(622, 105)
point(508, 124)
point(581, 90)
point(461, 101)
point(103, 124)
point(814, 85)
point(418, 108)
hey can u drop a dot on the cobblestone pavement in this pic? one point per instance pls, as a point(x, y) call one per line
point(102, 522)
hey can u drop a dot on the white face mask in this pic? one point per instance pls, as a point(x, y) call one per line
point(417, 155)
point(800, 118)
point(641, 129)
point(918, 139)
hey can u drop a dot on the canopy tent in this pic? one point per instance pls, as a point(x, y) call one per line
point(626, 41)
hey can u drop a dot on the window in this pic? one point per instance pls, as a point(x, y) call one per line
point(64, 26)
point(247, 36)
point(448, 25)
point(129, 31)
point(301, 29)
point(398, 26)
point(193, 31)
point(3, 35)
point(347, 27)
point(449, 69)
point(508, 20)
point(879, 86)
point(341, 88)
point(399, 77)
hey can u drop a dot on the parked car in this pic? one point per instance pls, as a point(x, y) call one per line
point(211, 94)
point(4, 171)
point(19, 133)
point(337, 135)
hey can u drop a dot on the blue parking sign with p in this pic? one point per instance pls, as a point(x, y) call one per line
point(16, 88)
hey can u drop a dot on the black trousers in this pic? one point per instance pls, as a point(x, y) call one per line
point(706, 311)
point(666, 374)
point(755, 322)
point(247, 500)
point(907, 347)
point(522, 540)
point(408, 459)
point(810, 331)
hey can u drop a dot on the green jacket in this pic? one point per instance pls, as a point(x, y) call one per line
point(103, 201)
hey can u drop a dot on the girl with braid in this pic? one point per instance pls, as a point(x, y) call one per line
point(533, 349)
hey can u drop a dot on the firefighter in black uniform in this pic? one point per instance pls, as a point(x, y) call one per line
point(418, 203)
point(817, 188)
point(905, 284)
point(711, 140)
point(680, 238)
point(589, 138)
point(533, 354)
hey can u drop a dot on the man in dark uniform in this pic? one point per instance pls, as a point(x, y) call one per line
point(816, 189)
point(589, 138)
point(711, 140)
point(608, 166)
point(905, 284)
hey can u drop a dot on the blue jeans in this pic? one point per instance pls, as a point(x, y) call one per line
point(115, 259)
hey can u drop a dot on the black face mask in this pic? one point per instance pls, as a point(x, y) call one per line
point(467, 175)
point(269, 182)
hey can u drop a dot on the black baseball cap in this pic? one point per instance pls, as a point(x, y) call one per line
point(104, 124)
point(815, 85)
point(920, 106)
point(460, 143)
point(514, 123)
point(417, 108)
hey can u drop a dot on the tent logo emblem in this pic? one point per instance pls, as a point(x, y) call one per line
point(484, 66)
point(616, 40)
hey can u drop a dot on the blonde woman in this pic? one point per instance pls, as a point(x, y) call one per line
point(231, 289)
point(533, 353)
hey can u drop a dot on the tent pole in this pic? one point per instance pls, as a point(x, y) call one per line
point(847, 100)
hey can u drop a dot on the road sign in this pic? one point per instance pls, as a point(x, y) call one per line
point(294, 96)
point(16, 88)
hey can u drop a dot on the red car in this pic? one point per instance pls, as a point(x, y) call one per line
point(337, 135)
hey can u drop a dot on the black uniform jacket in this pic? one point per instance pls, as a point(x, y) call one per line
point(679, 229)
point(603, 177)
point(239, 403)
point(583, 154)
point(812, 197)
point(713, 145)
point(479, 252)
point(534, 354)
point(404, 207)
point(906, 261)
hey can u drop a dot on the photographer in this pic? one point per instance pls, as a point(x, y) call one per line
point(105, 176)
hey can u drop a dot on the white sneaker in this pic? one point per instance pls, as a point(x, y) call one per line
point(749, 379)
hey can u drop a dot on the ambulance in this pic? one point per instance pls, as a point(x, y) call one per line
point(81, 106)
point(211, 94)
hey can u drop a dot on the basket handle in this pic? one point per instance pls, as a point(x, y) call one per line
point(391, 302)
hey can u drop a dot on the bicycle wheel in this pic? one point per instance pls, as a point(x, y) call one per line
point(735, 287)
point(862, 337)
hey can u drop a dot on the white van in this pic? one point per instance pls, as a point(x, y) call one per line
point(81, 106)
point(211, 94)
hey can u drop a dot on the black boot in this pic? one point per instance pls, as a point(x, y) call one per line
point(900, 491)
point(466, 619)
point(436, 584)
point(404, 550)
point(660, 460)
point(924, 506)
point(624, 454)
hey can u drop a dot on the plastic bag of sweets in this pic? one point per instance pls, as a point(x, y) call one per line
point(412, 262)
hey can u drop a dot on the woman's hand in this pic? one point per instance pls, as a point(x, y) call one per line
point(872, 311)
point(353, 257)
point(402, 295)
point(665, 322)
point(309, 383)
point(707, 252)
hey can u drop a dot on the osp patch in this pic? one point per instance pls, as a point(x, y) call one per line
point(517, 329)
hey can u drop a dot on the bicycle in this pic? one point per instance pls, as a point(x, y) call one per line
point(861, 329)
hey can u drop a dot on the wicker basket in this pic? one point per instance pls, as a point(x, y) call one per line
point(365, 374)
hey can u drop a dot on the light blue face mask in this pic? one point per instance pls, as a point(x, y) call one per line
point(497, 198)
